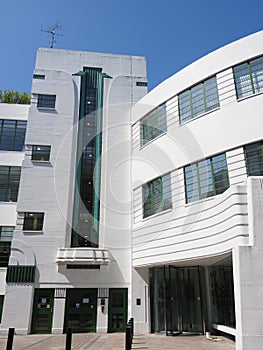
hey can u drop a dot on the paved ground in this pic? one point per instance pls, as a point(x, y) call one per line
point(117, 342)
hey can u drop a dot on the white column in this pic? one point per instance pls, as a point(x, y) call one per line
point(248, 275)
point(59, 310)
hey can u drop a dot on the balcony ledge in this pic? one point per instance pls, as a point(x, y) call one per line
point(84, 256)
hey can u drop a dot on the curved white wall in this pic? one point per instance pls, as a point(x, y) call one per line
point(218, 224)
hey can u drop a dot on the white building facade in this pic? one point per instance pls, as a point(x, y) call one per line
point(136, 204)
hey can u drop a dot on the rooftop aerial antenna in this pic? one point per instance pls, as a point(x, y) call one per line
point(52, 32)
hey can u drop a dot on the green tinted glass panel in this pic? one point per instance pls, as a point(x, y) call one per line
point(153, 124)
point(157, 195)
point(199, 99)
point(206, 178)
point(254, 158)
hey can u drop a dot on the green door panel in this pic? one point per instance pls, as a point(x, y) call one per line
point(42, 311)
point(118, 298)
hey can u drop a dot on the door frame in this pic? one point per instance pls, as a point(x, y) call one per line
point(37, 293)
point(123, 309)
point(78, 292)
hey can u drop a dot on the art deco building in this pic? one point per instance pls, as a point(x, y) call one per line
point(135, 204)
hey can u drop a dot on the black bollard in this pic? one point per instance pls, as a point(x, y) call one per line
point(128, 340)
point(68, 339)
point(10, 338)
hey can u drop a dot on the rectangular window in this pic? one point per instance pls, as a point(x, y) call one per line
point(198, 100)
point(33, 221)
point(39, 76)
point(249, 78)
point(206, 178)
point(153, 124)
point(46, 101)
point(12, 135)
point(157, 196)
point(254, 158)
point(41, 153)
point(6, 235)
point(9, 183)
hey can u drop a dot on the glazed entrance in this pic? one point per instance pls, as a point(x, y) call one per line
point(176, 300)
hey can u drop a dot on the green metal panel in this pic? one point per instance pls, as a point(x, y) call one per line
point(20, 274)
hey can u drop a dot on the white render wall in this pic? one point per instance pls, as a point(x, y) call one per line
point(49, 187)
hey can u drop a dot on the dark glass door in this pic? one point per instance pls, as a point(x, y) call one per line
point(117, 309)
point(176, 300)
point(42, 311)
point(190, 299)
point(173, 326)
point(81, 310)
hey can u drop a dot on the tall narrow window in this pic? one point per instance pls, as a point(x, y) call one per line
point(9, 183)
point(46, 101)
point(254, 158)
point(249, 78)
point(33, 221)
point(206, 178)
point(157, 195)
point(153, 124)
point(200, 99)
point(41, 153)
point(12, 135)
point(6, 235)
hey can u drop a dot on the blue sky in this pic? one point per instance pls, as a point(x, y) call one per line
point(169, 33)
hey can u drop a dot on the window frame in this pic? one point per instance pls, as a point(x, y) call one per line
point(11, 130)
point(149, 198)
point(149, 132)
point(46, 101)
point(205, 102)
point(204, 177)
point(250, 160)
point(33, 226)
point(5, 244)
point(9, 183)
point(41, 155)
point(251, 79)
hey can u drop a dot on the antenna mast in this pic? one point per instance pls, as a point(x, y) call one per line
point(52, 32)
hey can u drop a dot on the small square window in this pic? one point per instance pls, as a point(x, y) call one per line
point(46, 101)
point(41, 153)
point(33, 221)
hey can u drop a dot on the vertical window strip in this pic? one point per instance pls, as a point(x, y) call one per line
point(206, 178)
point(200, 99)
